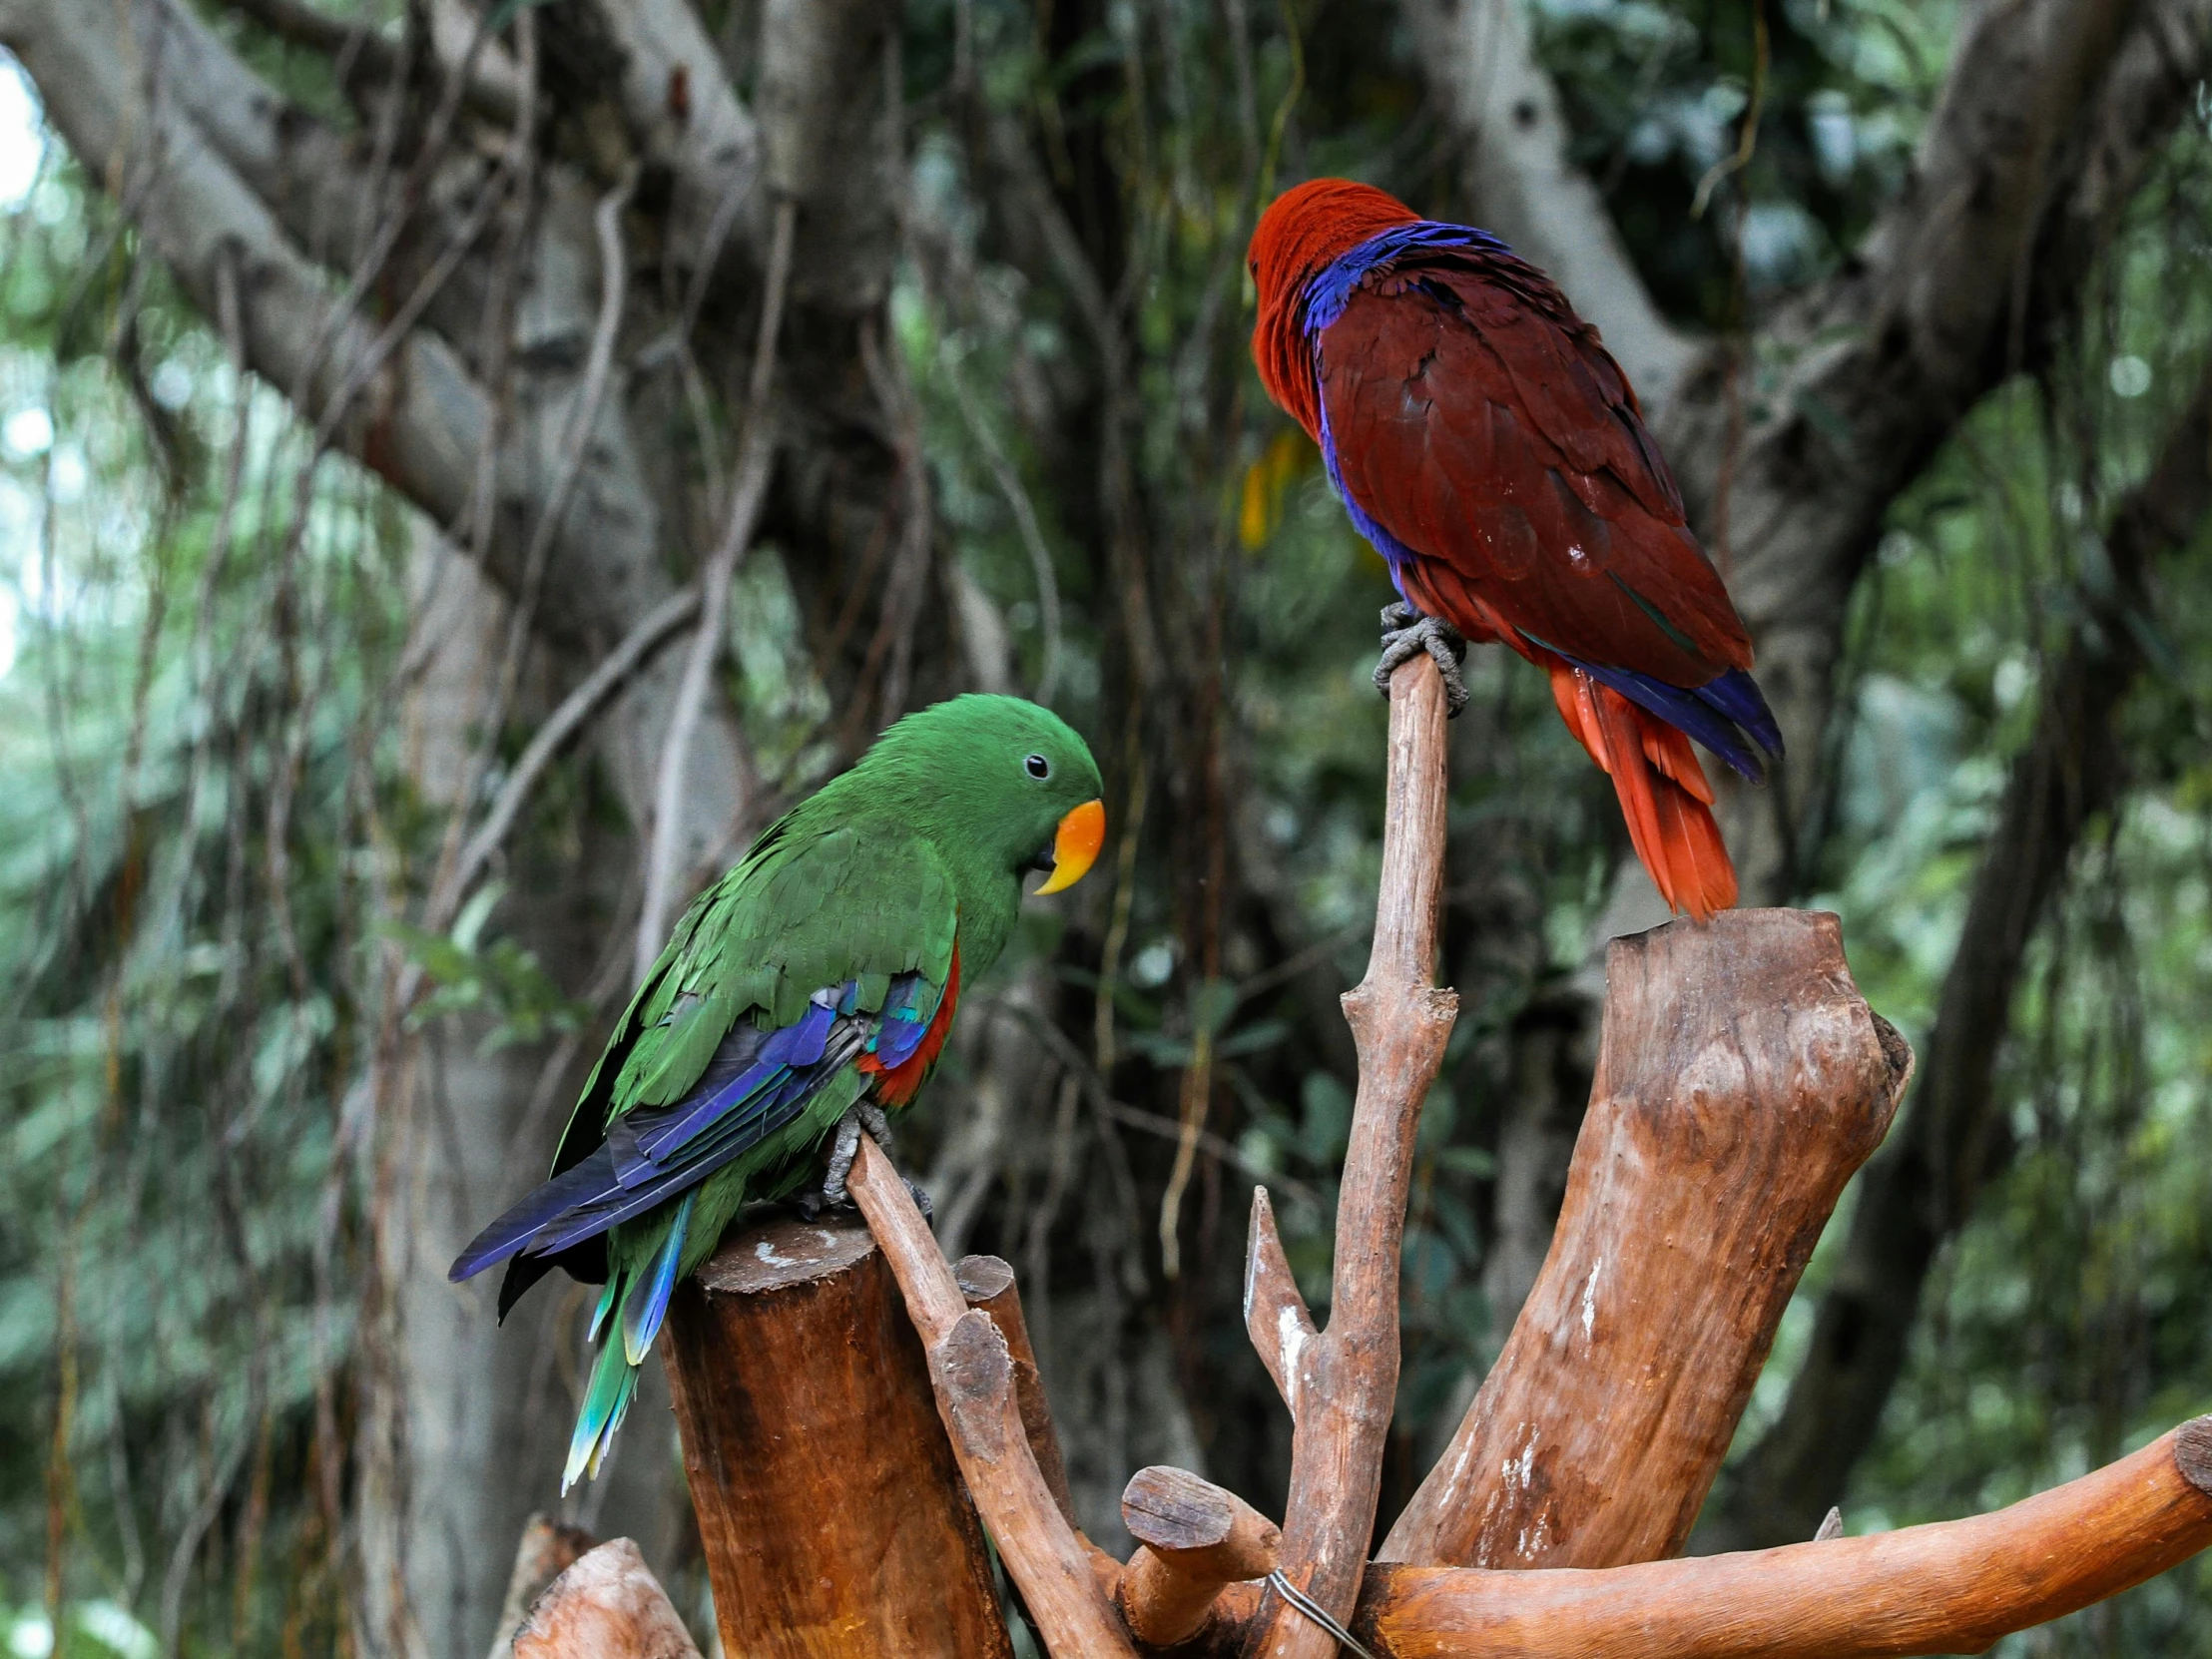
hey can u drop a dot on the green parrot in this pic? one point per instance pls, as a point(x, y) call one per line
point(802, 997)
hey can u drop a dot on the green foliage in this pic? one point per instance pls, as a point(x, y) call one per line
point(498, 978)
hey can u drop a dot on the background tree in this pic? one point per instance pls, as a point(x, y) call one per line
point(379, 401)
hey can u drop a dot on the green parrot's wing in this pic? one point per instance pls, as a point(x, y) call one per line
point(815, 957)
point(844, 906)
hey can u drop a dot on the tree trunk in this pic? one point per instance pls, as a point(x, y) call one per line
point(481, 1411)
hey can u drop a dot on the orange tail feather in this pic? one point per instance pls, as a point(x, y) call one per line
point(1663, 791)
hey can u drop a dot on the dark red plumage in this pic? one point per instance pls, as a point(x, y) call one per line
point(1477, 423)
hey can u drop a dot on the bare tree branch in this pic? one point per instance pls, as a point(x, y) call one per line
point(1951, 1587)
point(747, 489)
point(1484, 73)
point(1340, 1383)
point(582, 702)
point(425, 420)
point(688, 118)
point(368, 58)
point(2053, 112)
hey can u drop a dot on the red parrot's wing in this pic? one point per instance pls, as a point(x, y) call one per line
point(1480, 422)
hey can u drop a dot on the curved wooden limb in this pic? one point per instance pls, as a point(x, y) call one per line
point(1741, 1080)
point(1343, 1382)
point(1954, 1588)
point(973, 1373)
point(1192, 1538)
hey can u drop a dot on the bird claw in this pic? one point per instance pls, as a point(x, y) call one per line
point(923, 1201)
point(1406, 633)
point(844, 1147)
point(874, 1120)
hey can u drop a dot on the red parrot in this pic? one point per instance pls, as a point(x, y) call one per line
point(1486, 443)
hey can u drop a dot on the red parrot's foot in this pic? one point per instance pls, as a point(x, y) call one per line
point(1406, 633)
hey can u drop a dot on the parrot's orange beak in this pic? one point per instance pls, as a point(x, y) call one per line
point(1075, 844)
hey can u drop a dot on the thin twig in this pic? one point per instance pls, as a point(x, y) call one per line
point(1083, 1072)
point(447, 891)
point(1025, 517)
point(747, 493)
point(581, 704)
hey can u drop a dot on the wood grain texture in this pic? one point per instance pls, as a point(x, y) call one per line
point(605, 1607)
point(1193, 1539)
point(1954, 1588)
point(972, 1371)
point(1342, 1384)
point(1741, 1080)
point(987, 1283)
point(829, 1507)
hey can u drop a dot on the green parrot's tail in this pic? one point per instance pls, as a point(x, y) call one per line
point(638, 1295)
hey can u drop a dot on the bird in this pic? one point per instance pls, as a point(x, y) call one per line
point(1488, 447)
point(801, 999)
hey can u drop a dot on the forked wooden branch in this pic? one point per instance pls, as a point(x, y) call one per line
point(973, 1374)
point(1340, 1383)
point(1954, 1588)
point(1741, 1080)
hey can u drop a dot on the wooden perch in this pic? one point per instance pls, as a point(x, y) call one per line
point(973, 1373)
point(1740, 1083)
point(987, 1283)
point(1191, 1539)
point(830, 1508)
point(606, 1607)
point(1340, 1383)
point(1954, 1588)
point(1740, 1079)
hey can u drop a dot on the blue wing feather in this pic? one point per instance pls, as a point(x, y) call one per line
point(908, 1010)
point(756, 1082)
point(643, 1313)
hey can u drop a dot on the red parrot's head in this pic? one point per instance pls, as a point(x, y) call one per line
point(1303, 231)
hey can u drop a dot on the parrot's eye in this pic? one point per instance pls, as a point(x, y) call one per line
point(1038, 767)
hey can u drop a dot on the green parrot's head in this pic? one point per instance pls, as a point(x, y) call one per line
point(997, 783)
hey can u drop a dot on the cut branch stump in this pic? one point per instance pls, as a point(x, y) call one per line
point(1192, 1538)
point(829, 1507)
point(987, 1283)
point(548, 1549)
point(1741, 1081)
point(605, 1607)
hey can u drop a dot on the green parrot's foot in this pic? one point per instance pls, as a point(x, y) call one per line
point(1406, 634)
point(845, 1146)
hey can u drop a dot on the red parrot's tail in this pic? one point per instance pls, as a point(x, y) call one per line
point(1663, 791)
